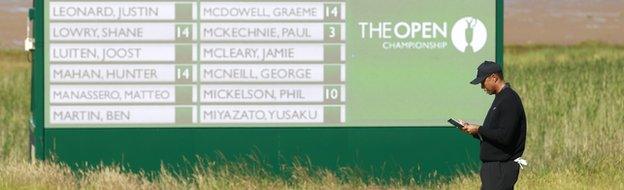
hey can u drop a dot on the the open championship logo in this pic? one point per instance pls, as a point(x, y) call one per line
point(469, 34)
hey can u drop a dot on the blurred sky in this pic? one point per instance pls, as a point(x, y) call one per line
point(526, 21)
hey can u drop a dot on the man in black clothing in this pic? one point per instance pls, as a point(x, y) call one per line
point(503, 132)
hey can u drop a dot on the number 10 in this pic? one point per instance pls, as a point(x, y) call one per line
point(332, 93)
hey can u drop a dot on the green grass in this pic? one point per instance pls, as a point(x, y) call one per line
point(573, 96)
point(14, 104)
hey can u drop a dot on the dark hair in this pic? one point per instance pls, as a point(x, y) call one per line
point(500, 75)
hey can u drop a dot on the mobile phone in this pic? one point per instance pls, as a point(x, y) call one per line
point(455, 123)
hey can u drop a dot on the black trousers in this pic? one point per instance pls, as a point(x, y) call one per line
point(499, 175)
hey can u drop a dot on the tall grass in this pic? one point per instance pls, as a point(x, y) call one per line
point(14, 104)
point(573, 96)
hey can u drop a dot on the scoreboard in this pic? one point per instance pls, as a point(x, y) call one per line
point(190, 77)
point(197, 63)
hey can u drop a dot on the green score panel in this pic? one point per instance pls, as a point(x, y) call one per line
point(265, 64)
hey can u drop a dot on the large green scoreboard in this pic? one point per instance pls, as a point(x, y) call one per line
point(361, 83)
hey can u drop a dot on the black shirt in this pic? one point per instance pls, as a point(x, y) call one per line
point(504, 129)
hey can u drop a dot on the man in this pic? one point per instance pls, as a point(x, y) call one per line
point(503, 132)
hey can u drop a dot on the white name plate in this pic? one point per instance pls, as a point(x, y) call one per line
point(262, 114)
point(76, 94)
point(105, 73)
point(262, 73)
point(262, 11)
point(119, 31)
point(113, 114)
point(109, 11)
point(262, 93)
point(263, 31)
point(262, 52)
point(62, 52)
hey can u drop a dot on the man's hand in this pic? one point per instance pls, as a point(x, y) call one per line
point(470, 128)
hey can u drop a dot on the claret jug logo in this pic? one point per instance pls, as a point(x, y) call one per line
point(469, 35)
